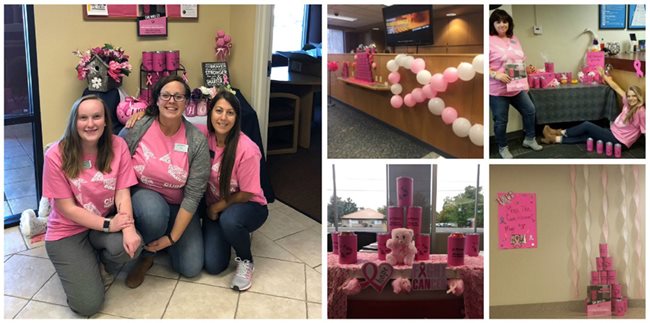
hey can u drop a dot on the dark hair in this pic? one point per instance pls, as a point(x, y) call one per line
point(232, 139)
point(501, 15)
point(70, 145)
point(152, 109)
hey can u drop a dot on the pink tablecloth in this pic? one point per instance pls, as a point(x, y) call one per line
point(471, 274)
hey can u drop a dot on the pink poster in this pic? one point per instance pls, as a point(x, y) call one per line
point(517, 220)
point(595, 60)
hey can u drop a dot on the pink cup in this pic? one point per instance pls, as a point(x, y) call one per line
point(595, 277)
point(599, 147)
point(603, 249)
point(599, 264)
point(335, 242)
point(617, 150)
point(147, 61)
point(172, 59)
point(590, 144)
point(531, 82)
point(603, 277)
point(347, 248)
point(158, 61)
point(616, 290)
point(618, 307)
point(472, 244)
point(395, 218)
point(549, 67)
point(608, 263)
point(414, 219)
point(456, 249)
point(382, 250)
point(404, 191)
point(422, 244)
point(569, 77)
point(611, 276)
point(609, 149)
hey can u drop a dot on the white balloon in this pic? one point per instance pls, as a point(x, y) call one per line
point(476, 134)
point(477, 64)
point(392, 66)
point(466, 71)
point(461, 127)
point(423, 77)
point(436, 105)
point(398, 58)
point(407, 61)
point(396, 88)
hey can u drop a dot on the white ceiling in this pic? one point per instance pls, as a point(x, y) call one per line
point(369, 16)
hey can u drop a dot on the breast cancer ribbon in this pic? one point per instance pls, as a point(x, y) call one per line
point(637, 67)
point(149, 79)
point(376, 276)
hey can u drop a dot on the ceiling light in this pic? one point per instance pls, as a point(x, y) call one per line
point(339, 17)
point(451, 14)
point(375, 28)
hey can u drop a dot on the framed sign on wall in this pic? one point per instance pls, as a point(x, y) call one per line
point(611, 16)
point(636, 16)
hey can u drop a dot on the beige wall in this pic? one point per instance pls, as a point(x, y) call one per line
point(60, 29)
point(543, 275)
point(562, 41)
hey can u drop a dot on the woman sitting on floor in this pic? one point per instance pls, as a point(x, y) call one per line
point(625, 130)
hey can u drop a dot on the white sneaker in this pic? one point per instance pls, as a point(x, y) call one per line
point(532, 144)
point(244, 276)
point(30, 225)
point(505, 153)
point(44, 208)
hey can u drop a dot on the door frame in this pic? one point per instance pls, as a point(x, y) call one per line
point(261, 85)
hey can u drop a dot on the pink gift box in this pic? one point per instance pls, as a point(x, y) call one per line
point(382, 250)
point(414, 219)
point(422, 244)
point(395, 218)
point(599, 309)
point(544, 79)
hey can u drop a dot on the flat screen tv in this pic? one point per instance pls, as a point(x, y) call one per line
point(408, 25)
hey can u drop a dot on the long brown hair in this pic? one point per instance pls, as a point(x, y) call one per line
point(632, 109)
point(70, 145)
point(232, 139)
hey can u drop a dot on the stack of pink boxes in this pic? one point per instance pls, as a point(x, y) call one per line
point(604, 296)
point(413, 221)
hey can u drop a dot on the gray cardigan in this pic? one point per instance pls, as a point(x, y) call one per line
point(198, 155)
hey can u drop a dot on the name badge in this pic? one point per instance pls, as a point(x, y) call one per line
point(87, 164)
point(180, 147)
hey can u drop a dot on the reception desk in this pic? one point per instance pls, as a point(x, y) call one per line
point(465, 97)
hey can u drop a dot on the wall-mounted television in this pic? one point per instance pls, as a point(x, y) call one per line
point(408, 25)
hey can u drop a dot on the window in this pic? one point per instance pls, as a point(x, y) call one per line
point(288, 27)
point(335, 41)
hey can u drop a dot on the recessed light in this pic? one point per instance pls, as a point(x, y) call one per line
point(451, 14)
point(339, 17)
point(375, 28)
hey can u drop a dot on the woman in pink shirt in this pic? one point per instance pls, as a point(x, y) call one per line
point(625, 130)
point(506, 49)
point(236, 205)
point(87, 176)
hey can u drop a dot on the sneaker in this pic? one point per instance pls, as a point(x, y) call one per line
point(532, 144)
point(107, 277)
point(505, 153)
point(244, 276)
point(30, 225)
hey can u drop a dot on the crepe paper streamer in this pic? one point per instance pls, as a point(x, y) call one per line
point(574, 232)
point(603, 177)
point(625, 228)
point(638, 284)
point(637, 67)
point(585, 175)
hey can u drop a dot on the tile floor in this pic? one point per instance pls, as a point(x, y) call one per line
point(19, 188)
point(287, 251)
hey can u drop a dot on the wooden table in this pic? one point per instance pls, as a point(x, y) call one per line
point(302, 85)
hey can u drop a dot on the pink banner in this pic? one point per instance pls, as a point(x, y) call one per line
point(517, 220)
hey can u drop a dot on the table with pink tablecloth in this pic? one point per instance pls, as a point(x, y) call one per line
point(471, 274)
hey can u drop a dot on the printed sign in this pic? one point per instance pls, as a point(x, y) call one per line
point(517, 220)
point(611, 16)
point(152, 27)
point(215, 74)
point(428, 276)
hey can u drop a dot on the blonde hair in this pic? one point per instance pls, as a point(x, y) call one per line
point(633, 109)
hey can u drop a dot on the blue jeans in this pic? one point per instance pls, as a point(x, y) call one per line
point(154, 218)
point(232, 229)
point(580, 133)
point(499, 105)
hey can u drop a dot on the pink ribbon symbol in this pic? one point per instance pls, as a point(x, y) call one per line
point(376, 276)
point(637, 67)
point(149, 79)
point(423, 271)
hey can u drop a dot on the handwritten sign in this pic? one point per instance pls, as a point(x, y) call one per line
point(428, 276)
point(596, 59)
point(517, 220)
point(215, 74)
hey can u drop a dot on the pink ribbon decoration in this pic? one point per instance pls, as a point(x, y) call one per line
point(574, 231)
point(603, 176)
point(422, 270)
point(637, 67)
point(149, 79)
point(376, 276)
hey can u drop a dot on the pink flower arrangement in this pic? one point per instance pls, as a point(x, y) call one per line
point(114, 57)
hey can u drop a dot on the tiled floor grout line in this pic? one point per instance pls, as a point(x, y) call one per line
point(304, 268)
point(170, 298)
point(237, 305)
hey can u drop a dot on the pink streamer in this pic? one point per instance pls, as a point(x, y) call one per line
point(574, 231)
point(637, 226)
point(603, 176)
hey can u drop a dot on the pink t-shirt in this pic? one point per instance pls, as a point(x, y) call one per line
point(245, 173)
point(628, 133)
point(92, 189)
point(161, 163)
point(502, 52)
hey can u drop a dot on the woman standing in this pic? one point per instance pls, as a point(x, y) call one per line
point(506, 49)
point(171, 161)
point(87, 176)
point(236, 205)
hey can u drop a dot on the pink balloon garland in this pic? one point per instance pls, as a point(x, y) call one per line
point(437, 84)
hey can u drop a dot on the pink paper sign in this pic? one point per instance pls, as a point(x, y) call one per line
point(517, 220)
point(428, 276)
point(596, 59)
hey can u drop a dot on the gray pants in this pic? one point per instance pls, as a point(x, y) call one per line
point(75, 259)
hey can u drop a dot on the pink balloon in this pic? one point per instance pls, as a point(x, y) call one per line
point(429, 92)
point(396, 101)
point(418, 95)
point(220, 42)
point(227, 38)
point(438, 83)
point(450, 74)
point(394, 77)
point(220, 33)
point(409, 101)
point(449, 114)
point(374, 65)
point(418, 65)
